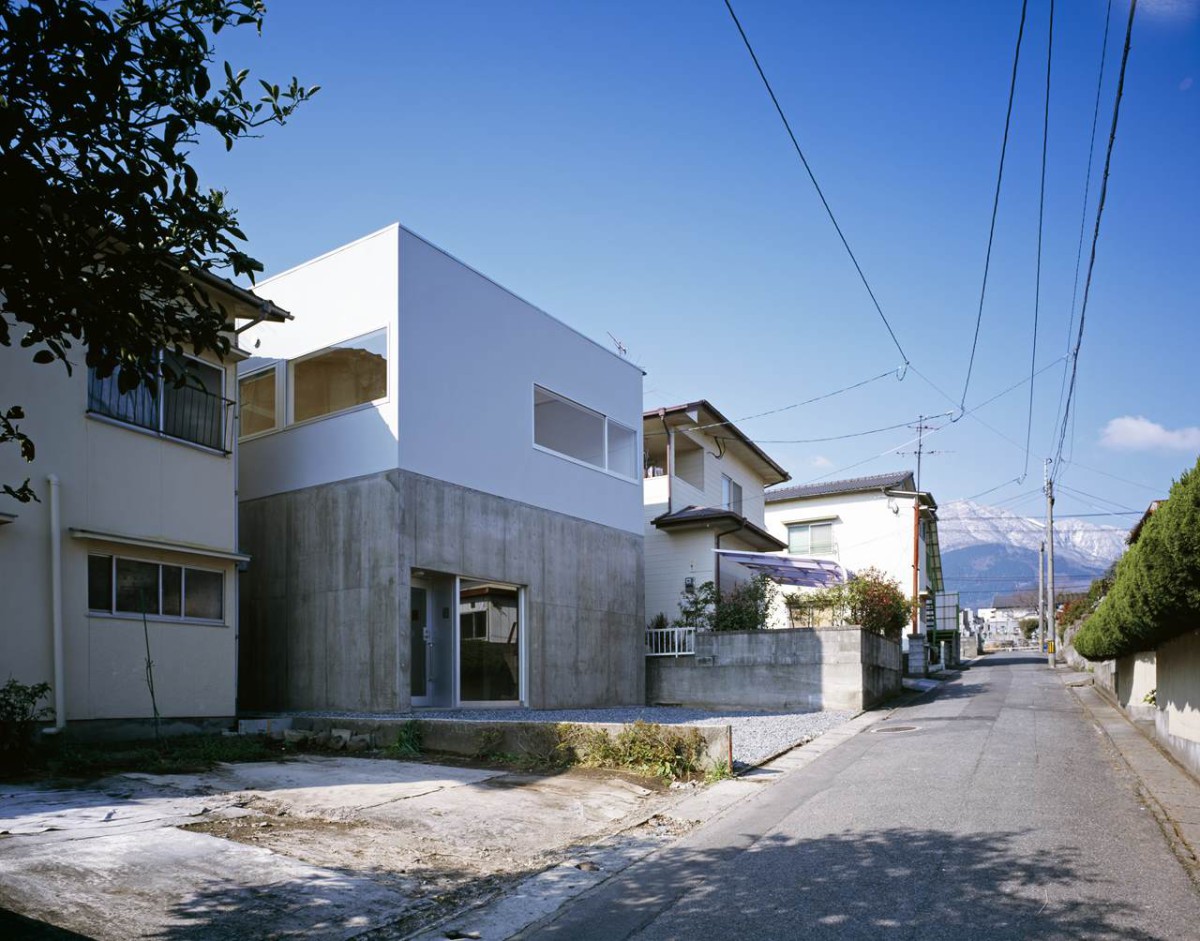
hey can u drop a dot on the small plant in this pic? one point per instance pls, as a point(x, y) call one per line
point(718, 772)
point(408, 741)
point(19, 718)
point(659, 622)
point(643, 747)
point(487, 744)
point(1151, 698)
point(745, 607)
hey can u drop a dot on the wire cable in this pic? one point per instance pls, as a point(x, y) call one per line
point(1012, 90)
point(1087, 184)
point(1087, 284)
point(1037, 283)
point(804, 160)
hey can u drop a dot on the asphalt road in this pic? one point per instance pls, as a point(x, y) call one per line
point(1004, 815)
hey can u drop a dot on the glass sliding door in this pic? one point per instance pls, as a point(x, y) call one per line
point(489, 643)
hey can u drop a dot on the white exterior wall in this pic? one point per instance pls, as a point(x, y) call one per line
point(865, 531)
point(117, 480)
point(464, 355)
point(346, 293)
point(470, 354)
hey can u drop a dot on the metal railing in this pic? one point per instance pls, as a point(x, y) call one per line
point(670, 642)
point(187, 413)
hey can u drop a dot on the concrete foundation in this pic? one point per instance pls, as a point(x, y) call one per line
point(325, 604)
point(798, 668)
point(918, 662)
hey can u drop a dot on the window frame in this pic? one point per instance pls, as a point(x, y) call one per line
point(289, 370)
point(605, 422)
point(728, 486)
point(808, 525)
point(112, 611)
point(225, 448)
point(275, 372)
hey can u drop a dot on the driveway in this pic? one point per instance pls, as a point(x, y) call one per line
point(318, 847)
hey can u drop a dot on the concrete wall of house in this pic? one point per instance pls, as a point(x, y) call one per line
point(121, 481)
point(325, 618)
point(845, 668)
point(1177, 719)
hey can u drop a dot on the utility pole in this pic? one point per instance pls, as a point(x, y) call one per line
point(1052, 652)
point(1042, 595)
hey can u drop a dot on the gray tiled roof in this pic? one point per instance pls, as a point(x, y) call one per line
point(852, 485)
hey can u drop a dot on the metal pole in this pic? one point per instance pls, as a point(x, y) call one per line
point(1042, 596)
point(1052, 655)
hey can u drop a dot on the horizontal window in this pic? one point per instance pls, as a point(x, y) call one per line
point(810, 538)
point(577, 432)
point(187, 402)
point(118, 585)
point(340, 377)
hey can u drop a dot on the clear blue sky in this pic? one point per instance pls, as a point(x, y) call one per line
point(620, 165)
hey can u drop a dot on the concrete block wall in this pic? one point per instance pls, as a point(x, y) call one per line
point(1177, 719)
point(322, 604)
point(795, 668)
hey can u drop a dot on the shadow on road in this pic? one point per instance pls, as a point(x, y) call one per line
point(894, 883)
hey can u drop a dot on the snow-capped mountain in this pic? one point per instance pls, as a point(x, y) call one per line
point(988, 550)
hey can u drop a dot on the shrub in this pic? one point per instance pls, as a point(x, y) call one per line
point(19, 718)
point(1155, 593)
point(644, 747)
point(408, 741)
point(871, 600)
point(745, 607)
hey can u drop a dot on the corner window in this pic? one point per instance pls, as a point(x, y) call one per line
point(132, 587)
point(731, 494)
point(577, 432)
point(340, 377)
point(256, 403)
point(810, 538)
point(193, 410)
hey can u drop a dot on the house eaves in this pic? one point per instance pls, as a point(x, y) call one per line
point(899, 480)
point(703, 517)
point(713, 423)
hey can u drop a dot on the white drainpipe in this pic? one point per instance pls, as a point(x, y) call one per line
point(60, 699)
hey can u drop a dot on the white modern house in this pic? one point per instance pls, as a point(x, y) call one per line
point(864, 522)
point(439, 483)
point(702, 491)
point(134, 543)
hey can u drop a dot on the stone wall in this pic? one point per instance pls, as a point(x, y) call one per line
point(325, 599)
point(796, 668)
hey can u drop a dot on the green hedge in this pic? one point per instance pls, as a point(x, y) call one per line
point(1156, 591)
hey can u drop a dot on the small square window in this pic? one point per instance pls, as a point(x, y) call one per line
point(204, 595)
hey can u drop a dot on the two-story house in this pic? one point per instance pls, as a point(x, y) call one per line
point(865, 522)
point(132, 552)
point(440, 486)
point(702, 491)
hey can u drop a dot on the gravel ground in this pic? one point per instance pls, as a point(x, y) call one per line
point(757, 736)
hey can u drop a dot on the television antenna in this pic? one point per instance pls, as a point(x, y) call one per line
point(621, 349)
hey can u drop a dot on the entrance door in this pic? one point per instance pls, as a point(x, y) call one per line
point(420, 669)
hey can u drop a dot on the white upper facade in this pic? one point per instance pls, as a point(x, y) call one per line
point(857, 528)
point(400, 356)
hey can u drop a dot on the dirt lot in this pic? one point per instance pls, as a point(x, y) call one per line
point(319, 847)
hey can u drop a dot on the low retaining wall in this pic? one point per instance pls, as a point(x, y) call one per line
point(472, 738)
point(796, 668)
point(1177, 717)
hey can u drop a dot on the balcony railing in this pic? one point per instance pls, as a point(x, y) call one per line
point(187, 413)
point(671, 642)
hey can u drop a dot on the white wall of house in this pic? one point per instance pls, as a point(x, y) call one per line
point(464, 355)
point(123, 481)
point(866, 531)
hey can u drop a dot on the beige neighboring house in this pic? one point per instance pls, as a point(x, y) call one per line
point(703, 490)
point(137, 513)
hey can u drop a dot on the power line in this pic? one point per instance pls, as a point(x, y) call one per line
point(1087, 184)
point(1087, 284)
point(804, 160)
point(1037, 288)
point(1012, 90)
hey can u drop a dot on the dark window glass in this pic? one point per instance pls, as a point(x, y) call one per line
point(100, 582)
point(137, 587)
point(195, 410)
point(204, 595)
point(172, 591)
